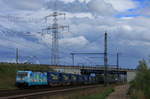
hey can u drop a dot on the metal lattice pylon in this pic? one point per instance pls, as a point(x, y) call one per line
point(55, 37)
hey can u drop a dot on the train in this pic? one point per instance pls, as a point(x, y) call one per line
point(46, 78)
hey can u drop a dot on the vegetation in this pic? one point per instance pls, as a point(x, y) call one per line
point(99, 92)
point(140, 86)
point(8, 73)
point(102, 95)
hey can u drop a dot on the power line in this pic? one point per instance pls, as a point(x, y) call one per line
point(73, 55)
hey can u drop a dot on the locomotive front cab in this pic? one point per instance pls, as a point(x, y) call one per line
point(22, 78)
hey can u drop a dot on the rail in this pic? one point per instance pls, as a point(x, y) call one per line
point(50, 91)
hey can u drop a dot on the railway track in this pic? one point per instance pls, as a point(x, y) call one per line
point(25, 94)
point(26, 91)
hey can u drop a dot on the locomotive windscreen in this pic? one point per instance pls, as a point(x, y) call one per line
point(22, 74)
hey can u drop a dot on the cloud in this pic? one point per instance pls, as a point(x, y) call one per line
point(129, 35)
point(24, 4)
point(122, 5)
point(96, 7)
point(144, 10)
point(73, 7)
point(69, 1)
point(125, 34)
point(74, 41)
point(21, 43)
point(101, 7)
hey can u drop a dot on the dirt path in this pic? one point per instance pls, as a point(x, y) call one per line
point(120, 93)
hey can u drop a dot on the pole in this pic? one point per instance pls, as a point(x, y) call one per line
point(17, 56)
point(118, 66)
point(105, 60)
point(73, 62)
point(72, 58)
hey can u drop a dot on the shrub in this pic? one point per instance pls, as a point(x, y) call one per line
point(140, 86)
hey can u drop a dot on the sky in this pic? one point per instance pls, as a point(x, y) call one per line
point(127, 23)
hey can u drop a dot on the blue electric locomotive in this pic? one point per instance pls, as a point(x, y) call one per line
point(22, 78)
point(29, 78)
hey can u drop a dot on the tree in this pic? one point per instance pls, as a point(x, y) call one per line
point(142, 79)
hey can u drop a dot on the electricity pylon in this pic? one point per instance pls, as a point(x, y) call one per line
point(54, 28)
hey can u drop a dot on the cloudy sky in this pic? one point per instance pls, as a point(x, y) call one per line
point(126, 21)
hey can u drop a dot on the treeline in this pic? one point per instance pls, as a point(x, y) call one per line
point(12, 66)
point(140, 86)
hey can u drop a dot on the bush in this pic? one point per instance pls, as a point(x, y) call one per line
point(140, 86)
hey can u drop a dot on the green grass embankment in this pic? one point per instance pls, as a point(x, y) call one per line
point(8, 73)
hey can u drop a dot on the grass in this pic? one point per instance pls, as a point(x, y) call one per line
point(102, 95)
point(8, 73)
point(100, 92)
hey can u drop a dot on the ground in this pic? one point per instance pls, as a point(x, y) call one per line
point(120, 92)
